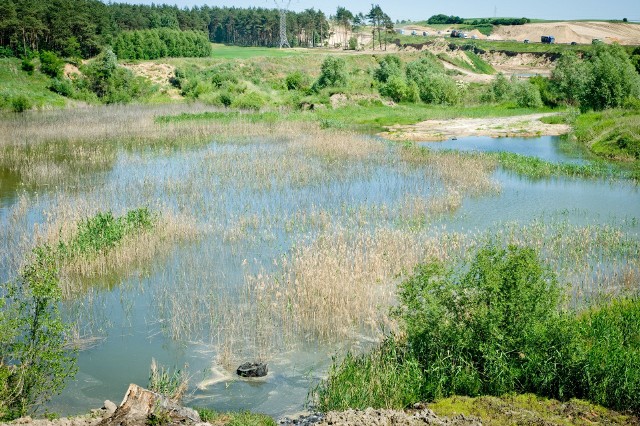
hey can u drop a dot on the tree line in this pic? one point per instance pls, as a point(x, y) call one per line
point(79, 28)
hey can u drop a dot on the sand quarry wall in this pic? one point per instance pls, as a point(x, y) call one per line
point(567, 32)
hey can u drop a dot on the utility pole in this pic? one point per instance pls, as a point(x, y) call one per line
point(284, 42)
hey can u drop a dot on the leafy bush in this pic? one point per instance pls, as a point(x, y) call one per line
point(494, 327)
point(62, 86)
point(610, 350)
point(50, 64)
point(606, 78)
point(333, 72)
point(353, 43)
point(297, 80)
point(34, 363)
point(112, 83)
point(249, 100)
point(499, 90)
point(20, 103)
point(390, 66)
point(439, 89)
point(527, 95)
point(27, 66)
point(395, 88)
point(481, 331)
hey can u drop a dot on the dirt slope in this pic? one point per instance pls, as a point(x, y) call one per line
point(566, 32)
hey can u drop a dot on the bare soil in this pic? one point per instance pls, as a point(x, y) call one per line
point(567, 32)
point(439, 130)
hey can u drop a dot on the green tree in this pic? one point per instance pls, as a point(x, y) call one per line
point(571, 76)
point(612, 79)
point(50, 64)
point(34, 363)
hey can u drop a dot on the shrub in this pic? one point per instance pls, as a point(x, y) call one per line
point(297, 80)
point(395, 88)
point(610, 349)
point(20, 103)
point(499, 90)
point(27, 66)
point(353, 43)
point(249, 100)
point(390, 66)
point(481, 331)
point(62, 86)
point(333, 72)
point(527, 95)
point(439, 89)
point(50, 64)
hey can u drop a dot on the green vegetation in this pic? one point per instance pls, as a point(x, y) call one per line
point(613, 134)
point(20, 91)
point(234, 419)
point(170, 384)
point(605, 78)
point(493, 327)
point(36, 355)
point(537, 168)
point(102, 232)
point(529, 409)
point(160, 43)
point(34, 360)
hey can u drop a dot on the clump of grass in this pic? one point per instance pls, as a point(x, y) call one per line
point(103, 231)
point(390, 377)
point(171, 384)
point(537, 168)
point(243, 418)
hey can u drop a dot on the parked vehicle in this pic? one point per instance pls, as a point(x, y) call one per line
point(548, 39)
point(526, 40)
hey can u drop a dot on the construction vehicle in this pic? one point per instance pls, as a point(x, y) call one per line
point(548, 39)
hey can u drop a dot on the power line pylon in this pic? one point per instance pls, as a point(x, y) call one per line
point(284, 42)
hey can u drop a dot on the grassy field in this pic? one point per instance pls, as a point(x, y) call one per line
point(16, 82)
point(221, 51)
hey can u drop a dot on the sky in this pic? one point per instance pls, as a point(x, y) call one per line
point(417, 10)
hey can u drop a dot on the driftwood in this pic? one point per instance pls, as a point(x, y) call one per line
point(139, 403)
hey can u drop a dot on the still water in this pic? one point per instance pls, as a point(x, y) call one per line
point(245, 220)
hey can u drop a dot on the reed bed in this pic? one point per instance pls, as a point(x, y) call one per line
point(271, 234)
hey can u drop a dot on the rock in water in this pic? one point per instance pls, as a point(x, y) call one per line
point(252, 369)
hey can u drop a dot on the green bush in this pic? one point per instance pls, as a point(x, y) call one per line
point(605, 78)
point(439, 89)
point(20, 103)
point(395, 88)
point(249, 100)
point(481, 330)
point(297, 80)
point(610, 353)
point(333, 72)
point(27, 66)
point(493, 327)
point(390, 66)
point(499, 90)
point(353, 43)
point(50, 64)
point(527, 95)
point(62, 86)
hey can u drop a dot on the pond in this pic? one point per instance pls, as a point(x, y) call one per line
point(271, 216)
point(549, 148)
